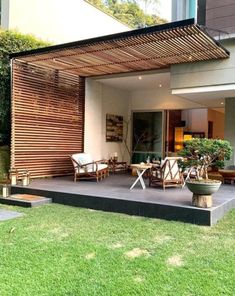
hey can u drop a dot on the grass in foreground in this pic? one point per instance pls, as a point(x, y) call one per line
point(61, 250)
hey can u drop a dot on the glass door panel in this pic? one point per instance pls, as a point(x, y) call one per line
point(147, 135)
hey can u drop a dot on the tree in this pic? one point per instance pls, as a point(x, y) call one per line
point(130, 11)
point(10, 42)
point(203, 153)
point(147, 4)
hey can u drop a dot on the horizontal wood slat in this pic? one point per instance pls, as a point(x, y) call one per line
point(47, 120)
point(143, 51)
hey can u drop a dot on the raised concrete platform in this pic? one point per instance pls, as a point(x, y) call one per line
point(7, 215)
point(113, 194)
point(25, 200)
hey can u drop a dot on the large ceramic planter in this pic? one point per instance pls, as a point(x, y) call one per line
point(202, 192)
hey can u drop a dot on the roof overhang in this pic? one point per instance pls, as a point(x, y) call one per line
point(144, 49)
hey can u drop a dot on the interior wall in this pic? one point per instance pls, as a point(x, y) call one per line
point(115, 101)
point(196, 120)
point(101, 100)
point(174, 121)
point(218, 123)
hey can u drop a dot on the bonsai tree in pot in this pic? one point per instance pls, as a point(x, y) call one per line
point(199, 155)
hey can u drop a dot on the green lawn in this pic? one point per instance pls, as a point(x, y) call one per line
point(61, 250)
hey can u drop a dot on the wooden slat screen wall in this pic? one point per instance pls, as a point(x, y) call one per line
point(47, 119)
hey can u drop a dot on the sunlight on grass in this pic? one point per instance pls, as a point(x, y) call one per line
point(61, 250)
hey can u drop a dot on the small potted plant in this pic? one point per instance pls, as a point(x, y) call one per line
point(199, 155)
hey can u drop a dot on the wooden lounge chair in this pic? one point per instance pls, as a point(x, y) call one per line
point(167, 174)
point(86, 168)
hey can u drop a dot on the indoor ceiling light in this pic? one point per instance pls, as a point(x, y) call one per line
point(160, 85)
point(222, 103)
point(190, 58)
point(140, 77)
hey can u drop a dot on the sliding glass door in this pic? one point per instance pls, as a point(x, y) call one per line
point(147, 136)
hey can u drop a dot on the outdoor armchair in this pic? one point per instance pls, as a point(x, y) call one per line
point(167, 174)
point(86, 168)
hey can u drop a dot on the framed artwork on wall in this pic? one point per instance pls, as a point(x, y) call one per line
point(114, 128)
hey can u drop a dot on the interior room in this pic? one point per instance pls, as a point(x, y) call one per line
point(155, 122)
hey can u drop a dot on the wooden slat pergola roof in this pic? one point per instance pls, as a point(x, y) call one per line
point(138, 50)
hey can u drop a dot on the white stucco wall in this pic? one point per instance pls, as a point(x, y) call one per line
point(100, 100)
point(159, 99)
point(93, 119)
point(58, 21)
point(205, 73)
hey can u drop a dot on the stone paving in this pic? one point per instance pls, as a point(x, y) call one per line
point(7, 215)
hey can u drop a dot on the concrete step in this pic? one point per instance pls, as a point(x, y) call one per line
point(25, 200)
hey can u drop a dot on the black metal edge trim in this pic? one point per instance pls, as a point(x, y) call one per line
point(132, 33)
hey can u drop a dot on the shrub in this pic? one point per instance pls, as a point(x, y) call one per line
point(203, 153)
point(11, 42)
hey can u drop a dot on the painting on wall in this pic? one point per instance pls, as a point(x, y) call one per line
point(114, 128)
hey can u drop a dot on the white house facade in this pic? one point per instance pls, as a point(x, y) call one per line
point(58, 21)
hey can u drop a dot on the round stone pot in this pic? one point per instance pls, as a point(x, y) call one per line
point(202, 192)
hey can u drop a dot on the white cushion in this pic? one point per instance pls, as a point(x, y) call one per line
point(83, 158)
point(92, 170)
point(102, 166)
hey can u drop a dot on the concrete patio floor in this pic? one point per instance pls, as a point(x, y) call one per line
point(113, 194)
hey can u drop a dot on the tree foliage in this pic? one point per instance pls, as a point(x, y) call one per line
point(130, 11)
point(10, 42)
point(203, 153)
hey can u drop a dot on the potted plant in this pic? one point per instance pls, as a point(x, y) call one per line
point(199, 155)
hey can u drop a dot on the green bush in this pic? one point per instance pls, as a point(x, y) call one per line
point(204, 153)
point(4, 161)
point(11, 42)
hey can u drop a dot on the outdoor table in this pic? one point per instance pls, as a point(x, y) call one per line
point(141, 169)
point(115, 166)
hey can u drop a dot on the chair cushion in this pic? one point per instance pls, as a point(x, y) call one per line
point(82, 158)
point(102, 166)
point(91, 168)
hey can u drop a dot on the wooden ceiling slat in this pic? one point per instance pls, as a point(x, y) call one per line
point(147, 51)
